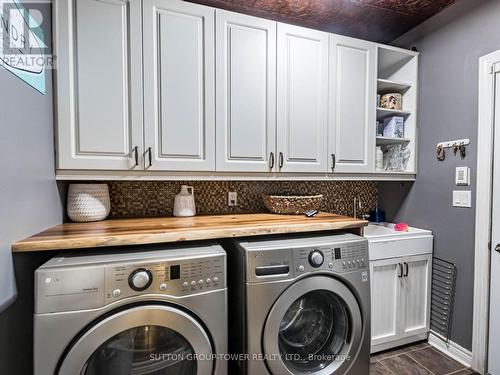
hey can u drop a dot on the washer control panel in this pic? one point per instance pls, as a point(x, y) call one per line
point(286, 258)
point(346, 257)
point(174, 278)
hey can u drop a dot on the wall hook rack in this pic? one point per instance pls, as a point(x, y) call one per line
point(450, 144)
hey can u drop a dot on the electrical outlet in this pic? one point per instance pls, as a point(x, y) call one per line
point(232, 199)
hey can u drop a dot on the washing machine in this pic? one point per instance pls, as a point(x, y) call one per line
point(161, 311)
point(300, 305)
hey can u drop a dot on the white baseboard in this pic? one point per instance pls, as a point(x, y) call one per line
point(451, 349)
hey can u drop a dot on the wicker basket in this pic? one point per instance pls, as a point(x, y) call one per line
point(292, 204)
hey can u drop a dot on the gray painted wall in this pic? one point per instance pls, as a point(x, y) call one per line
point(450, 45)
point(29, 203)
point(29, 198)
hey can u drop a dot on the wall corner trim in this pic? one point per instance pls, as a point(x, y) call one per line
point(451, 349)
point(483, 212)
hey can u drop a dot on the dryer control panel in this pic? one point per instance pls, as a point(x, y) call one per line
point(339, 258)
point(76, 282)
point(175, 278)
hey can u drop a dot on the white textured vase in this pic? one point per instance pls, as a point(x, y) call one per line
point(88, 202)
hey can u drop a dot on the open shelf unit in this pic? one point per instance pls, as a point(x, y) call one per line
point(391, 140)
point(397, 72)
point(385, 86)
point(382, 113)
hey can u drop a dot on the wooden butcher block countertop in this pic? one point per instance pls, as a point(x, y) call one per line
point(121, 232)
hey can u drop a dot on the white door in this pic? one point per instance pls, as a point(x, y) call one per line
point(386, 281)
point(494, 324)
point(302, 99)
point(352, 109)
point(179, 92)
point(416, 294)
point(246, 93)
point(99, 84)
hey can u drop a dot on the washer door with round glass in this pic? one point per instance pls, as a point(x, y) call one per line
point(314, 327)
point(152, 340)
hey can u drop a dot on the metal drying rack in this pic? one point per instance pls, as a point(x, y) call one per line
point(444, 281)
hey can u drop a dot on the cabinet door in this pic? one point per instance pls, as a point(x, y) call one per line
point(246, 92)
point(302, 104)
point(386, 282)
point(352, 108)
point(99, 84)
point(416, 294)
point(179, 93)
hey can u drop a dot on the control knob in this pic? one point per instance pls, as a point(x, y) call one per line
point(316, 258)
point(140, 279)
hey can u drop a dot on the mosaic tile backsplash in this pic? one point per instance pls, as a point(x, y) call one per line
point(156, 198)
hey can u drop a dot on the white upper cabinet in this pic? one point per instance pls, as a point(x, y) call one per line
point(169, 85)
point(246, 92)
point(179, 86)
point(99, 86)
point(352, 116)
point(302, 99)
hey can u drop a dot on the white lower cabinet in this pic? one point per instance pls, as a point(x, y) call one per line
point(385, 300)
point(416, 294)
point(400, 294)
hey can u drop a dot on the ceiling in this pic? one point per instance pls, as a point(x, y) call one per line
point(376, 20)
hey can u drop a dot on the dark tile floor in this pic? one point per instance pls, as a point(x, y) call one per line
point(415, 359)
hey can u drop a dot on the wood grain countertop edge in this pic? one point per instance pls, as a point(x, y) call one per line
point(95, 238)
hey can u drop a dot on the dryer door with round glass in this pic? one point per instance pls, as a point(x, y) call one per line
point(314, 327)
point(151, 339)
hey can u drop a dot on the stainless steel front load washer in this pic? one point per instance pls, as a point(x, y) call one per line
point(300, 305)
point(161, 311)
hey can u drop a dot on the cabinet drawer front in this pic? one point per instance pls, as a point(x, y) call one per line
point(380, 249)
point(99, 84)
point(179, 85)
point(246, 92)
point(302, 98)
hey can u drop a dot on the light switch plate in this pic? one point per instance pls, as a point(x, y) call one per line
point(462, 176)
point(462, 198)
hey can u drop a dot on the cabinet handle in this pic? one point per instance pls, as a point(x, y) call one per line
point(271, 160)
point(400, 270)
point(334, 161)
point(281, 161)
point(406, 269)
point(150, 157)
point(136, 156)
point(497, 248)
